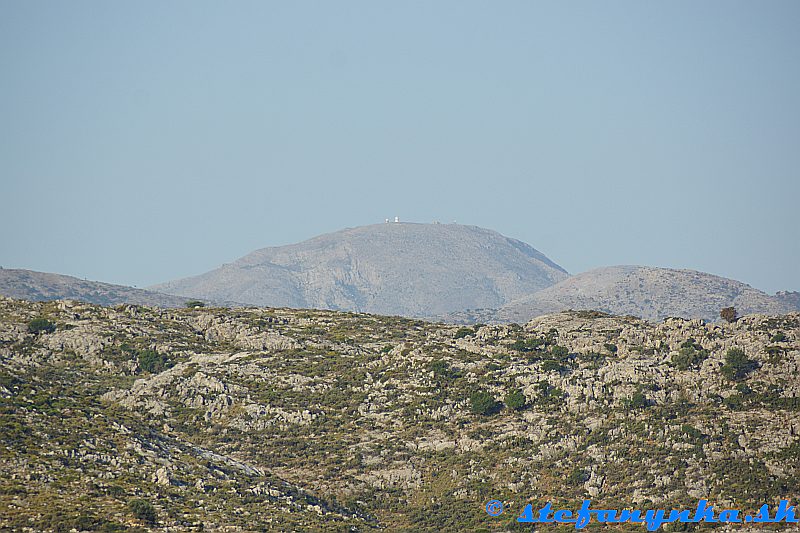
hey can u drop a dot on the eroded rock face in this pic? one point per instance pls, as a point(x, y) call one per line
point(271, 414)
point(246, 337)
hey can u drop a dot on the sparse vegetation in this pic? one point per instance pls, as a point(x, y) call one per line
point(728, 314)
point(381, 423)
point(515, 400)
point(442, 370)
point(577, 476)
point(143, 510)
point(779, 337)
point(483, 403)
point(153, 362)
point(737, 365)
point(637, 401)
point(41, 325)
point(690, 355)
point(464, 332)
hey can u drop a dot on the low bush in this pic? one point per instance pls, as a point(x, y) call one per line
point(578, 476)
point(637, 401)
point(515, 400)
point(778, 337)
point(41, 325)
point(690, 355)
point(464, 332)
point(737, 365)
point(143, 510)
point(483, 403)
point(442, 370)
point(548, 365)
point(528, 345)
point(153, 362)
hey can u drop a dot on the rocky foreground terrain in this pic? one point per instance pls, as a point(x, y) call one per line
point(287, 420)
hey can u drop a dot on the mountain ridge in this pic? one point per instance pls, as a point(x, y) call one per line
point(450, 272)
point(38, 286)
point(404, 268)
point(653, 293)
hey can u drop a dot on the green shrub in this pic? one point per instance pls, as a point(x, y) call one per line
point(778, 337)
point(734, 402)
point(577, 476)
point(690, 343)
point(548, 394)
point(527, 345)
point(195, 303)
point(637, 401)
point(737, 365)
point(515, 400)
point(690, 355)
point(593, 359)
point(590, 313)
point(464, 332)
point(559, 352)
point(549, 365)
point(153, 362)
point(41, 325)
point(610, 347)
point(76, 520)
point(691, 432)
point(483, 403)
point(143, 510)
point(442, 370)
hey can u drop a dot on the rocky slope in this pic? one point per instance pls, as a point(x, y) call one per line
point(43, 286)
point(647, 292)
point(397, 268)
point(287, 420)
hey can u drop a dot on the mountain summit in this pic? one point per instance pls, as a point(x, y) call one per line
point(394, 268)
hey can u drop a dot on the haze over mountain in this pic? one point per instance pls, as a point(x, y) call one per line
point(395, 268)
point(647, 292)
point(42, 286)
point(447, 272)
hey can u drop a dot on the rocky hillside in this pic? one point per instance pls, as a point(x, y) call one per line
point(43, 286)
point(647, 292)
point(287, 420)
point(397, 268)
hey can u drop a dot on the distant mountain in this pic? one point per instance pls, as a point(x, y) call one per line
point(790, 298)
point(395, 268)
point(647, 292)
point(42, 286)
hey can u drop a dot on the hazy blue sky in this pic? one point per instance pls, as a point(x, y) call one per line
point(144, 141)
